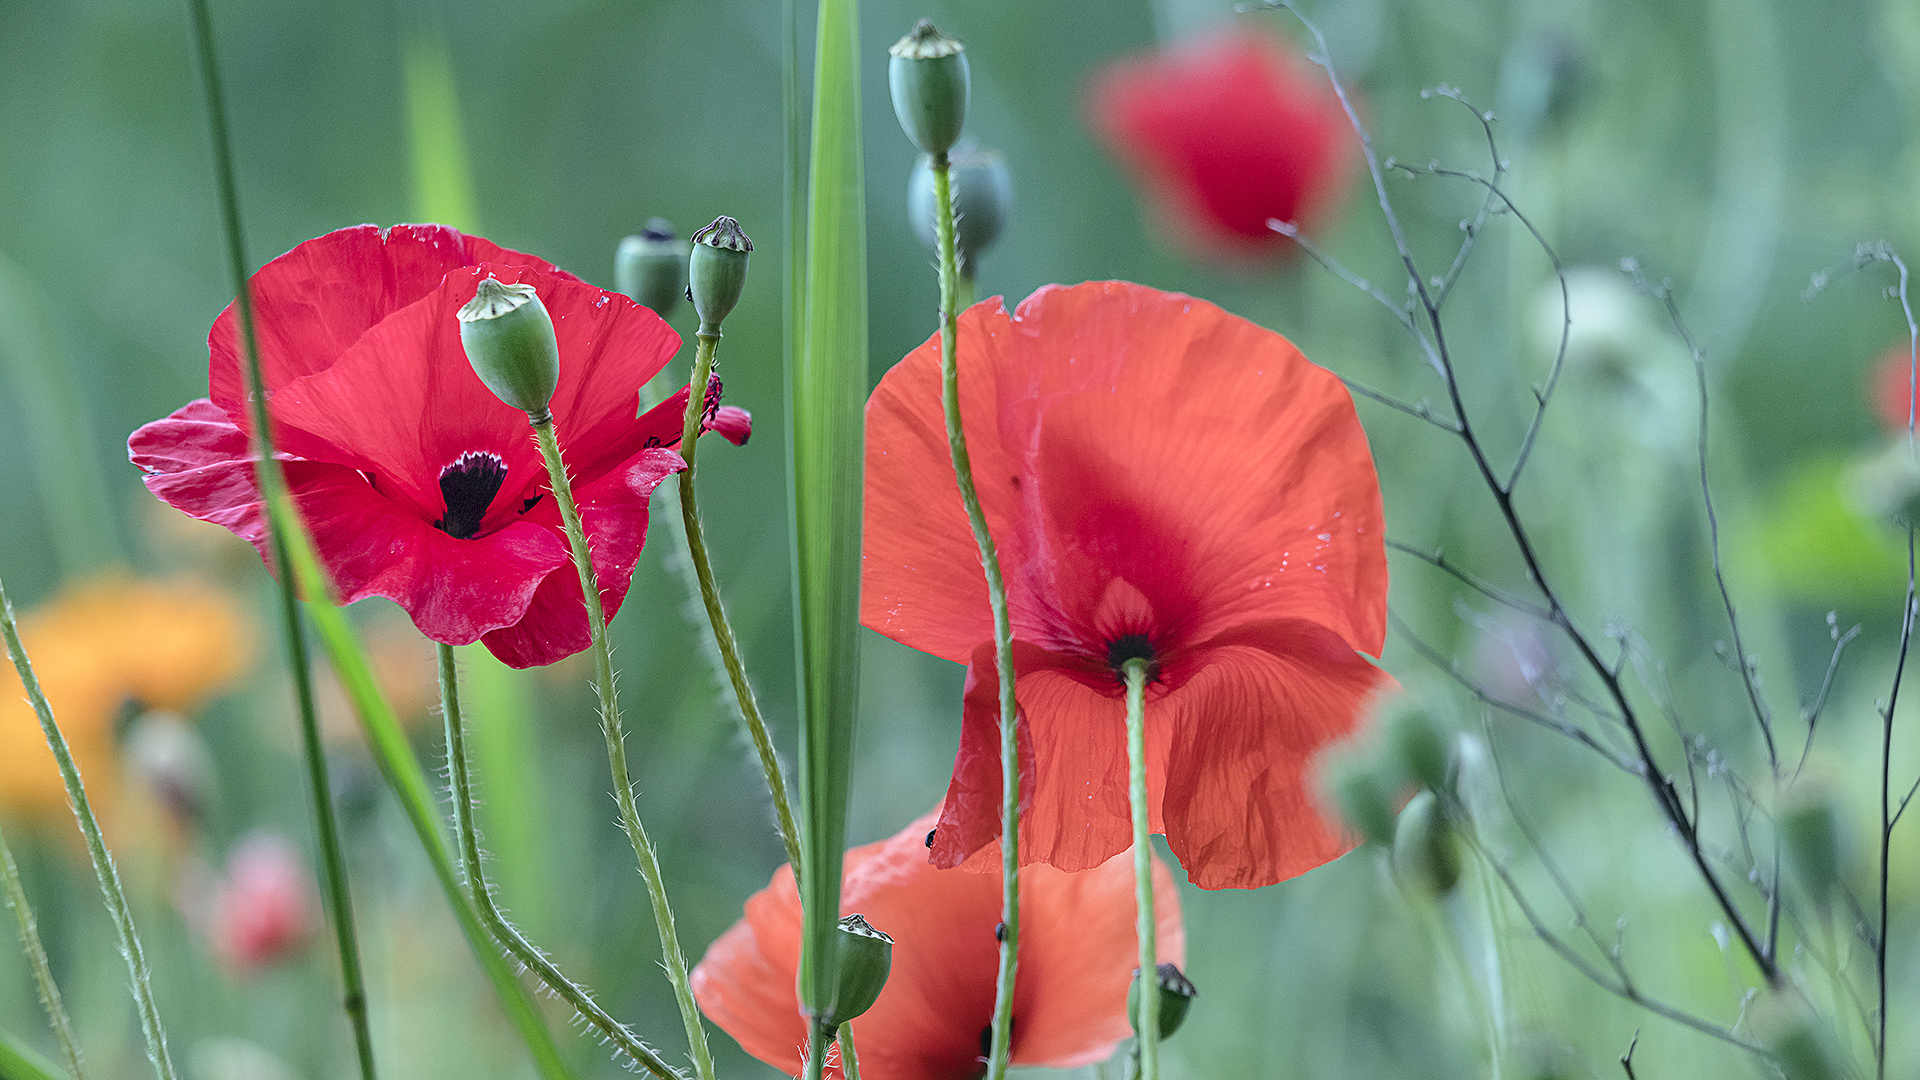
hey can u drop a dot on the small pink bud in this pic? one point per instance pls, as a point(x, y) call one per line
point(263, 910)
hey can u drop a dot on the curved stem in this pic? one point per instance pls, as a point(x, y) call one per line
point(1001, 1045)
point(1147, 1022)
point(467, 840)
point(103, 867)
point(703, 359)
point(37, 959)
point(849, 1060)
point(676, 963)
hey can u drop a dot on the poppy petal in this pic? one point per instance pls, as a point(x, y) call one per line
point(732, 423)
point(1239, 802)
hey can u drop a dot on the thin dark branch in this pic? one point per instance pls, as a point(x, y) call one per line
point(1438, 560)
point(1419, 411)
point(1626, 1059)
point(1812, 712)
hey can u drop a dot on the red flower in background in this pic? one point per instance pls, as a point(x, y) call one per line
point(1892, 388)
point(263, 910)
point(1164, 480)
point(1077, 956)
point(1226, 132)
point(418, 484)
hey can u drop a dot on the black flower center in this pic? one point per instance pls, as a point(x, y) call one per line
point(1132, 647)
point(469, 485)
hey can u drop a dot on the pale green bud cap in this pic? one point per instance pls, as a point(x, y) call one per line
point(1425, 854)
point(1415, 740)
point(930, 83)
point(982, 201)
point(509, 340)
point(717, 271)
point(866, 957)
point(1815, 835)
point(650, 267)
point(1363, 798)
point(1176, 996)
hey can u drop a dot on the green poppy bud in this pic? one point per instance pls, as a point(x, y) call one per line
point(651, 267)
point(930, 83)
point(1425, 853)
point(1415, 740)
point(509, 340)
point(717, 271)
point(982, 199)
point(1814, 835)
point(1176, 995)
point(1363, 799)
point(1800, 1042)
point(866, 956)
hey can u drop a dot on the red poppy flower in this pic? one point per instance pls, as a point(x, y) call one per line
point(418, 484)
point(1164, 480)
point(1226, 132)
point(1892, 388)
point(1077, 957)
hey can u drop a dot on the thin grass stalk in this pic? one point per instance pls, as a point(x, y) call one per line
point(17, 1062)
point(103, 868)
point(723, 639)
point(1001, 1043)
point(37, 959)
point(676, 963)
point(408, 781)
point(1146, 1023)
point(467, 840)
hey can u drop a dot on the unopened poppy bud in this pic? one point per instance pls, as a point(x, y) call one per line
point(1799, 1042)
point(1424, 852)
point(1176, 995)
point(650, 267)
point(717, 271)
point(982, 198)
point(1814, 835)
point(866, 956)
point(930, 83)
point(1415, 740)
point(1363, 800)
point(509, 340)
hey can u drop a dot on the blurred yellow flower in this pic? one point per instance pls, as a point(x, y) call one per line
point(97, 647)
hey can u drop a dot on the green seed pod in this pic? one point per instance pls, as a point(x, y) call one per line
point(1363, 799)
point(1800, 1042)
point(1415, 741)
point(1424, 851)
point(1812, 831)
point(930, 83)
point(866, 956)
point(982, 200)
point(1176, 995)
point(651, 267)
point(717, 271)
point(508, 337)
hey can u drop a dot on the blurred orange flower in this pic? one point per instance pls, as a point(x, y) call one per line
point(99, 646)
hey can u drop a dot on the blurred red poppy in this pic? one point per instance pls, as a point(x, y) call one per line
point(1892, 387)
point(1077, 956)
point(418, 484)
point(1167, 481)
point(1226, 132)
point(263, 909)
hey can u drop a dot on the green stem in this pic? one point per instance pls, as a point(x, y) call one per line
point(1148, 1022)
point(37, 959)
point(849, 1060)
point(823, 1038)
point(617, 751)
point(708, 344)
point(1001, 1046)
point(103, 868)
point(467, 839)
point(267, 475)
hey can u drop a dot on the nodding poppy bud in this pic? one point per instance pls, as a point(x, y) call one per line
point(1363, 800)
point(930, 83)
point(717, 271)
point(1415, 741)
point(866, 956)
point(1800, 1042)
point(650, 267)
point(1176, 995)
point(509, 340)
point(1814, 835)
point(982, 199)
point(1424, 851)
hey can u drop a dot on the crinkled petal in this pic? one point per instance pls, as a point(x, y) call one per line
point(732, 423)
point(1238, 800)
point(196, 461)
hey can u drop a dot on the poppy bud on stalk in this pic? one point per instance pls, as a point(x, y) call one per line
point(1424, 851)
point(509, 340)
point(982, 199)
point(866, 957)
point(1363, 800)
point(1416, 741)
point(930, 83)
point(1176, 995)
point(650, 267)
point(1814, 835)
point(717, 271)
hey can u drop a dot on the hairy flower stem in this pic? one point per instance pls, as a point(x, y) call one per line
point(708, 344)
point(822, 1040)
point(1001, 1047)
point(617, 751)
point(37, 959)
point(267, 475)
point(849, 1060)
point(103, 867)
point(1147, 1023)
point(467, 839)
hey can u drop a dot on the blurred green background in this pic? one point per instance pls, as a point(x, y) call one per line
point(1735, 147)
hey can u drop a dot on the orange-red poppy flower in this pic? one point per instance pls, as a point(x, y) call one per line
point(1891, 387)
point(1164, 480)
point(1077, 956)
point(1226, 132)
